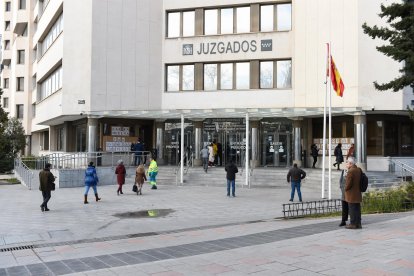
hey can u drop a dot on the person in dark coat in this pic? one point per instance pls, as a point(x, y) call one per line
point(314, 153)
point(91, 180)
point(353, 194)
point(139, 151)
point(231, 170)
point(339, 156)
point(120, 176)
point(46, 180)
point(345, 208)
point(295, 176)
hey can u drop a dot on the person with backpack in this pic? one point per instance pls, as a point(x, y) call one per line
point(353, 193)
point(91, 180)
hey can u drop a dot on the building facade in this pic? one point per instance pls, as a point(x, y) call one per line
point(100, 74)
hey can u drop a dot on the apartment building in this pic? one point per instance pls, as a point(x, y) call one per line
point(99, 74)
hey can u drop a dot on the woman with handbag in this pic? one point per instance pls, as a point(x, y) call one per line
point(139, 179)
point(120, 176)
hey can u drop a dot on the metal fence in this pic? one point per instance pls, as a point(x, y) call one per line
point(319, 207)
point(23, 173)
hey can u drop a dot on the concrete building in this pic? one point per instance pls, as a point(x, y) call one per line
point(84, 75)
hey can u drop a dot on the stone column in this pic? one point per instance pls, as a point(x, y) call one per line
point(92, 134)
point(360, 136)
point(160, 128)
point(255, 143)
point(198, 143)
point(297, 147)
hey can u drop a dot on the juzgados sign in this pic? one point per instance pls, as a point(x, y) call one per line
point(230, 47)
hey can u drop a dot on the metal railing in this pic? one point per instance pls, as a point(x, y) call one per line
point(320, 207)
point(406, 171)
point(23, 173)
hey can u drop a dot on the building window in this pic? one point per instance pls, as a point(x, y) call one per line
point(210, 22)
point(226, 76)
point(284, 17)
point(210, 77)
point(19, 111)
point(34, 82)
point(33, 110)
point(20, 84)
point(243, 75)
point(20, 56)
point(284, 73)
point(7, 25)
point(52, 35)
point(51, 84)
point(6, 83)
point(173, 24)
point(60, 138)
point(266, 18)
point(7, 45)
point(188, 77)
point(226, 21)
point(173, 78)
point(8, 6)
point(22, 4)
point(243, 20)
point(266, 74)
point(188, 23)
point(6, 102)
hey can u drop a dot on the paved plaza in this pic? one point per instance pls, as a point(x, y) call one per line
point(205, 233)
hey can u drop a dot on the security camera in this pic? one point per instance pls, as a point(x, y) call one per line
point(81, 114)
point(373, 108)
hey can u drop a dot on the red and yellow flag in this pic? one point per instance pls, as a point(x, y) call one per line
point(336, 79)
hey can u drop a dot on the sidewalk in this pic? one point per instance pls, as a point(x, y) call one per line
point(206, 234)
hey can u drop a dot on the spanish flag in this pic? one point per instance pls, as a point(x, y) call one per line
point(336, 79)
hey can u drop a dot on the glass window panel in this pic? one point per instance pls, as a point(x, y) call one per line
point(284, 73)
point(226, 21)
point(210, 76)
point(173, 24)
point(243, 75)
point(406, 139)
point(284, 17)
point(173, 78)
point(210, 22)
point(188, 23)
point(243, 20)
point(266, 74)
point(188, 77)
point(266, 18)
point(226, 76)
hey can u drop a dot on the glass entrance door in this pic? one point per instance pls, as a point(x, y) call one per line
point(276, 149)
point(173, 143)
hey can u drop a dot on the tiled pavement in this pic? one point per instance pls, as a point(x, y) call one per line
point(208, 234)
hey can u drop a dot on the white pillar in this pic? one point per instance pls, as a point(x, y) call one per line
point(160, 142)
point(360, 122)
point(182, 150)
point(247, 149)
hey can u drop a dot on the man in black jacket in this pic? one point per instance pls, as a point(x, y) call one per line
point(46, 181)
point(231, 170)
point(294, 176)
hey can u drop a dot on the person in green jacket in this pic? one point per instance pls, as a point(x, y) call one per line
point(152, 172)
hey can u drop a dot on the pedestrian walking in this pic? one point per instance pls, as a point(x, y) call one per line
point(210, 155)
point(353, 194)
point(120, 176)
point(152, 173)
point(339, 156)
point(295, 176)
point(345, 208)
point(231, 170)
point(140, 178)
point(46, 186)
point(204, 156)
point(91, 180)
point(314, 153)
point(351, 151)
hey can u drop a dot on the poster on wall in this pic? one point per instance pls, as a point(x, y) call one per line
point(119, 131)
point(346, 144)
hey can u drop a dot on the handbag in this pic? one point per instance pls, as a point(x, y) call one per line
point(52, 186)
point(134, 188)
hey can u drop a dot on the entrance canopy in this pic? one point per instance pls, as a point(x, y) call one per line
point(222, 113)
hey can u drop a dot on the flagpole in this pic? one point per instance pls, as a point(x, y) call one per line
point(324, 125)
point(330, 132)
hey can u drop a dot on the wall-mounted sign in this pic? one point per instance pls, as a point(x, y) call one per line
point(227, 47)
point(81, 101)
point(119, 131)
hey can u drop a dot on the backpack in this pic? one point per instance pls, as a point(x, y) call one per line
point(363, 184)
